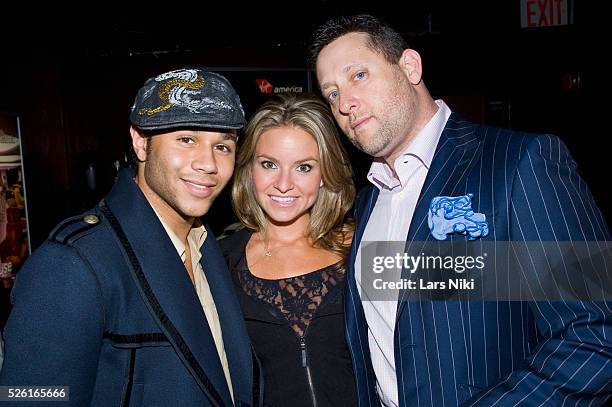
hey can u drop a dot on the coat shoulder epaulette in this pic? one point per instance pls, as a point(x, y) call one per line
point(74, 228)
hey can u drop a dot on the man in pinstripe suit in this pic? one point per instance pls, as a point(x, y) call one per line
point(449, 353)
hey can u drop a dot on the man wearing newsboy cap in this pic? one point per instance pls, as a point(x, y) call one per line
point(130, 303)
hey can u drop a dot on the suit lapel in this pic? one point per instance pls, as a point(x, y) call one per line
point(356, 325)
point(363, 210)
point(455, 155)
point(364, 206)
point(447, 176)
point(237, 348)
point(165, 286)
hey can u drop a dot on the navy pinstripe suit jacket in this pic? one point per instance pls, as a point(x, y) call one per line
point(450, 353)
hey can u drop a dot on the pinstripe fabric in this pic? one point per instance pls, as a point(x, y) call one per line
point(496, 353)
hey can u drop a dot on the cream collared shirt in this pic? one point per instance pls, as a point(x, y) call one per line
point(196, 238)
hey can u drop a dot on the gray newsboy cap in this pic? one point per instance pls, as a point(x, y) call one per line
point(190, 97)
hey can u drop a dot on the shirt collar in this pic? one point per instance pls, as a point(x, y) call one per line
point(196, 237)
point(423, 148)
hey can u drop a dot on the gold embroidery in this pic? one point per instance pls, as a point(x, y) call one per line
point(164, 91)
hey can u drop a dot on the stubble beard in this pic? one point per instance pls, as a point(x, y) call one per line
point(389, 130)
point(392, 122)
point(164, 194)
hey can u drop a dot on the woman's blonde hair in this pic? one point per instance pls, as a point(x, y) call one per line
point(328, 228)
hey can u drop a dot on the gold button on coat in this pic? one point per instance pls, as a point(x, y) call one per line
point(91, 219)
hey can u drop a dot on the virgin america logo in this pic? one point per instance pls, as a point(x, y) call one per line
point(264, 85)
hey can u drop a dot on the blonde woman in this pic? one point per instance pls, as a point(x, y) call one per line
point(292, 189)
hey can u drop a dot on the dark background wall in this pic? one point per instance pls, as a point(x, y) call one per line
point(72, 80)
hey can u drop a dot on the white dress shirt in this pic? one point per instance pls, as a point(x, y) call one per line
point(390, 221)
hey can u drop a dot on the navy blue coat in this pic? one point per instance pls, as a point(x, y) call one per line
point(501, 353)
point(109, 310)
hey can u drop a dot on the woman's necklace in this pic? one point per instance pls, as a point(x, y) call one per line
point(267, 251)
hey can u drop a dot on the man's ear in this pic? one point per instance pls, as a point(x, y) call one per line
point(410, 63)
point(139, 143)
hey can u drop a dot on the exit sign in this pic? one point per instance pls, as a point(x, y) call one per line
point(545, 13)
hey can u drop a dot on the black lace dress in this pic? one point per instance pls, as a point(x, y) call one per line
point(297, 329)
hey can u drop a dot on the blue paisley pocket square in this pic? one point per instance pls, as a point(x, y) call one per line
point(455, 215)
